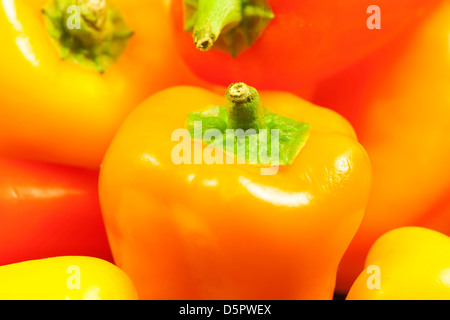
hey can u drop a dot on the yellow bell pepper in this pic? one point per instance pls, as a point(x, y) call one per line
point(226, 230)
point(65, 278)
point(55, 105)
point(408, 263)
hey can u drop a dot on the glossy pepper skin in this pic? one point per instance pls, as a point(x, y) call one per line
point(225, 231)
point(49, 210)
point(414, 264)
point(398, 103)
point(65, 278)
point(57, 111)
point(305, 42)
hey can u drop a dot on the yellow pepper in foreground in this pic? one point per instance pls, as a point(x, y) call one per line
point(65, 278)
point(409, 263)
point(223, 229)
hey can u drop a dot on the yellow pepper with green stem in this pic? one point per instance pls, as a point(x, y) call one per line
point(224, 230)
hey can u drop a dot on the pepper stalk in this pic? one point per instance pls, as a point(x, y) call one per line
point(245, 115)
point(92, 33)
point(244, 108)
point(226, 25)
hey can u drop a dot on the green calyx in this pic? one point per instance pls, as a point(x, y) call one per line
point(253, 132)
point(226, 25)
point(91, 33)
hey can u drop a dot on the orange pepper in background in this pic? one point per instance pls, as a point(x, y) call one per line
point(58, 111)
point(412, 263)
point(65, 278)
point(398, 102)
point(217, 231)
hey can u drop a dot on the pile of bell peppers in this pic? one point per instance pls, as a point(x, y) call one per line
point(118, 179)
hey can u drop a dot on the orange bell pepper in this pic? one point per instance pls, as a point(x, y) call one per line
point(398, 103)
point(65, 278)
point(65, 91)
point(408, 263)
point(227, 231)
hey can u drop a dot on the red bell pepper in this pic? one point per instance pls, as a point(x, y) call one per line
point(49, 210)
point(285, 44)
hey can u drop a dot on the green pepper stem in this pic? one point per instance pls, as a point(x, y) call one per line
point(94, 12)
point(227, 25)
point(244, 107)
point(91, 33)
point(93, 25)
point(212, 17)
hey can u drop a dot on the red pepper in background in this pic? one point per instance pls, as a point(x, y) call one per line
point(49, 210)
point(293, 43)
